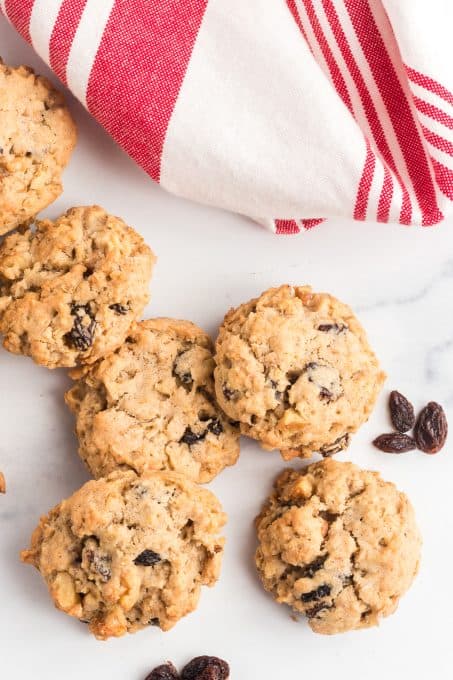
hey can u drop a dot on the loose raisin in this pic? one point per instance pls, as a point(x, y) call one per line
point(206, 668)
point(394, 442)
point(431, 428)
point(165, 672)
point(401, 412)
point(147, 558)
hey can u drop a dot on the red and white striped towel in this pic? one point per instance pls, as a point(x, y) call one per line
point(301, 109)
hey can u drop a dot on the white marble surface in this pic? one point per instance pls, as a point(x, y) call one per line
point(399, 280)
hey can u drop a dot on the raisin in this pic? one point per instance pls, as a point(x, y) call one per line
point(81, 336)
point(206, 394)
point(154, 621)
point(181, 370)
point(395, 442)
point(401, 412)
point(336, 328)
point(140, 490)
point(101, 564)
point(329, 517)
point(98, 562)
point(311, 366)
point(317, 594)
point(206, 668)
point(338, 445)
point(327, 380)
point(190, 437)
point(186, 378)
point(165, 672)
point(293, 376)
point(228, 393)
point(309, 570)
point(119, 309)
point(314, 611)
point(215, 427)
point(431, 428)
point(147, 558)
point(325, 394)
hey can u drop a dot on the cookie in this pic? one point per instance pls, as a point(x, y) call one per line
point(338, 544)
point(37, 137)
point(2, 483)
point(295, 369)
point(127, 552)
point(70, 289)
point(151, 404)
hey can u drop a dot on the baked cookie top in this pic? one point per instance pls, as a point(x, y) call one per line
point(126, 552)
point(70, 289)
point(151, 404)
point(37, 137)
point(338, 544)
point(295, 368)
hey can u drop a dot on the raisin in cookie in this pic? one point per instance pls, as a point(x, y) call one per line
point(70, 289)
point(126, 552)
point(151, 404)
point(338, 544)
point(295, 368)
point(37, 136)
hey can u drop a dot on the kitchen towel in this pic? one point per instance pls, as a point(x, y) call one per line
point(287, 111)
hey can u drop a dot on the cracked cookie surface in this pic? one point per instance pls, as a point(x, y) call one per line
point(37, 136)
point(151, 404)
point(338, 544)
point(70, 289)
point(296, 370)
point(127, 552)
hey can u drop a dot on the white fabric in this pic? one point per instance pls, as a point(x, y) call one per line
point(268, 146)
